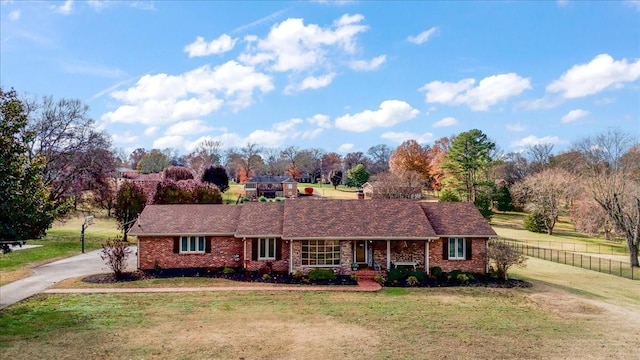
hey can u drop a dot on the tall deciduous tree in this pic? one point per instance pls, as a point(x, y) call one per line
point(468, 161)
point(612, 176)
point(25, 209)
point(130, 202)
point(75, 152)
point(177, 173)
point(217, 176)
point(186, 192)
point(153, 162)
point(411, 157)
point(546, 193)
point(379, 158)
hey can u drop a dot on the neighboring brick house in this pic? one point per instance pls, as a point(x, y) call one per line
point(271, 187)
point(299, 235)
point(148, 182)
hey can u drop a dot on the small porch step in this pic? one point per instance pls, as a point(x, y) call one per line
point(368, 273)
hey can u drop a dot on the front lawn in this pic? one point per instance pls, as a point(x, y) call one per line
point(472, 323)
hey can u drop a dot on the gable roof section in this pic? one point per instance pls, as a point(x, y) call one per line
point(270, 179)
point(260, 219)
point(189, 219)
point(457, 219)
point(355, 219)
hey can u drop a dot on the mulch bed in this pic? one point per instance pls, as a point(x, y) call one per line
point(284, 278)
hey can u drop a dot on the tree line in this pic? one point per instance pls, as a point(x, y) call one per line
point(52, 156)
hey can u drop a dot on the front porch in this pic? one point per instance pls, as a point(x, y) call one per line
point(382, 255)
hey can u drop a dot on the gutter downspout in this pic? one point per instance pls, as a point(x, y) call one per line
point(388, 254)
point(290, 257)
point(426, 257)
point(244, 255)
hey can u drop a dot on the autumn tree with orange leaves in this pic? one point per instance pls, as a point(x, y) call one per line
point(412, 157)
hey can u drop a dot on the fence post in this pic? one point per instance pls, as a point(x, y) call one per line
point(599, 264)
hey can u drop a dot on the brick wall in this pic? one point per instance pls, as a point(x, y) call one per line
point(159, 250)
point(477, 263)
point(276, 265)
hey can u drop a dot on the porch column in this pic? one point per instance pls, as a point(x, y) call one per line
point(426, 257)
point(388, 254)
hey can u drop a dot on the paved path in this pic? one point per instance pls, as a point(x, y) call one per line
point(46, 275)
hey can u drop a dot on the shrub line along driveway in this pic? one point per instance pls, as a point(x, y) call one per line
point(90, 263)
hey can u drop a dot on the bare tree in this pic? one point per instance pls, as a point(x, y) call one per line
point(503, 257)
point(402, 184)
point(77, 156)
point(539, 156)
point(379, 157)
point(546, 193)
point(613, 179)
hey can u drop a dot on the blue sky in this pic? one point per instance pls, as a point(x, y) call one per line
point(338, 75)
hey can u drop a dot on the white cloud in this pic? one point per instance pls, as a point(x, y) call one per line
point(293, 46)
point(515, 127)
point(599, 74)
point(390, 113)
point(574, 115)
point(311, 134)
point(162, 98)
point(190, 127)
point(320, 120)
point(66, 8)
point(171, 141)
point(423, 36)
point(490, 91)
point(448, 121)
point(310, 82)
point(150, 130)
point(286, 126)
point(345, 147)
point(634, 4)
point(364, 65)
point(98, 5)
point(14, 15)
point(400, 137)
point(260, 21)
point(220, 45)
point(125, 138)
point(532, 140)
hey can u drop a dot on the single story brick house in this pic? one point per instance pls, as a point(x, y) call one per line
point(299, 235)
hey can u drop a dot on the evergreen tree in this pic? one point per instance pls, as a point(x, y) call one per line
point(25, 209)
point(216, 175)
point(357, 175)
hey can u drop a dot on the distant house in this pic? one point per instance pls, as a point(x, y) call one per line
point(380, 189)
point(300, 235)
point(271, 187)
point(148, 182)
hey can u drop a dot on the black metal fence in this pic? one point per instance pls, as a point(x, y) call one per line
point(603, 265)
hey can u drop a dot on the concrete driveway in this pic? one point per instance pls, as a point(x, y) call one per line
point(49, 274)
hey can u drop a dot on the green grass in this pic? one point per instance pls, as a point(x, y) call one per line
point(510, 226)
point(476, 322)
point(62, 240)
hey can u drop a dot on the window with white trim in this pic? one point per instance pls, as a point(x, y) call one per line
point(457, 247)
point(320, 252)
point(192, 244)
point(267, 249)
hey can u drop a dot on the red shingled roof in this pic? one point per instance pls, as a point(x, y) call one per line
point(457, 219)
point(322, 219)
point(260, 219)
point(355, 219)
point(187, 220)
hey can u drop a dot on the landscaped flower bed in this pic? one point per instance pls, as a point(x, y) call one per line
point(315, 277)
point(403, 277)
